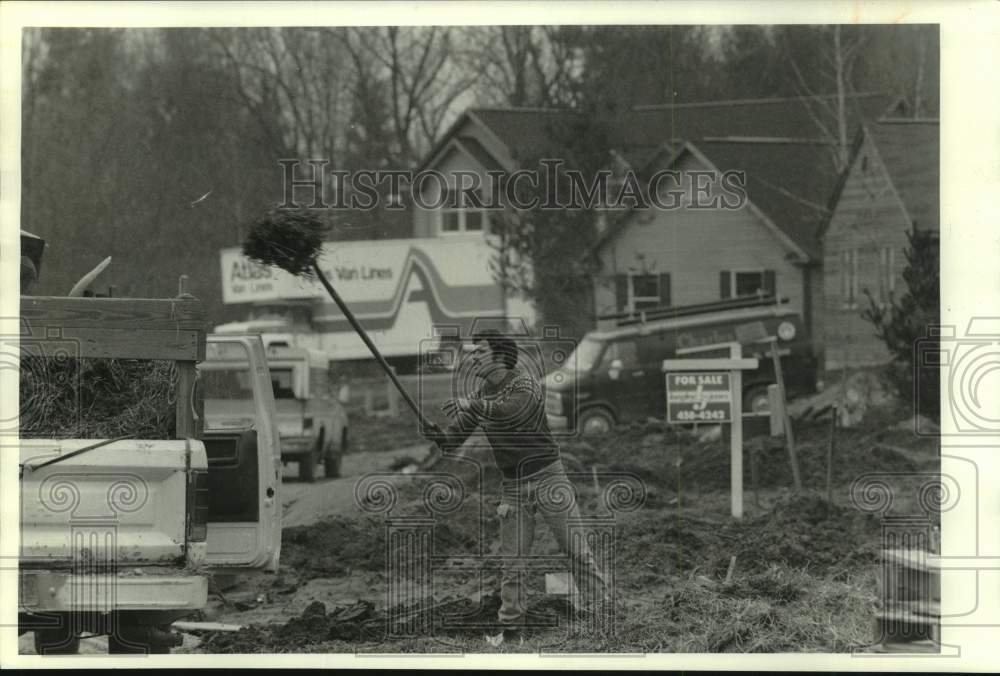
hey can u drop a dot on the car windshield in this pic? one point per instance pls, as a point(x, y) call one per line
point(585, 355)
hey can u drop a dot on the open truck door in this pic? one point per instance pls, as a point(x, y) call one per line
point(242, 445)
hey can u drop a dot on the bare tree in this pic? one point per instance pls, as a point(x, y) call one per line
point(523, 65)
point(422, 79)
point(292, 79)
point(822, 58)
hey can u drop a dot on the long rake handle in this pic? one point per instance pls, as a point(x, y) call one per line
point(371, 346)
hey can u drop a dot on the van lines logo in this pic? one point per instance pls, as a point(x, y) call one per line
point(248, 277)
point(418, 282)
point(362, 272)
point(245, 270)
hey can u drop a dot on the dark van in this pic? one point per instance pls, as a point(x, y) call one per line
point(616, 376)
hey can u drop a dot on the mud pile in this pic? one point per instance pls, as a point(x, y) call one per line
point(334, 547)
point(802, 532)
point(315, 626)
point(668, 459)
point(808, 532)
point(338, 546)
point(362, 623)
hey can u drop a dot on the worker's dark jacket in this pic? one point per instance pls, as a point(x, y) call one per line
point(512, 415)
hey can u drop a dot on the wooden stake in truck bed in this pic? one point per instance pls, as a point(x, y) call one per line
point(119, 535)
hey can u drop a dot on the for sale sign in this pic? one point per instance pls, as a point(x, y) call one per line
point(699, 397)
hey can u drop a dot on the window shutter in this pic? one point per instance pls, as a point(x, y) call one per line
point(769, 282)
point(725, 287)
point(854, 276)
point(621, 292)
point(665, 288)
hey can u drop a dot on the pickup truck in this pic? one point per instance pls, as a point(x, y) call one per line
point(120, 535)
point(311, 420)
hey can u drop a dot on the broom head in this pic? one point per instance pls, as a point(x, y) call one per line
point(290, 239)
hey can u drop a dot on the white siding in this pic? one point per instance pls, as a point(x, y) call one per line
point(694, 246)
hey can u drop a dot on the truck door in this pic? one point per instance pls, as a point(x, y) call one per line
point(244, 461)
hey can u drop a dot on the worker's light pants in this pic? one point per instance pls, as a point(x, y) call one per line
point(547, 493)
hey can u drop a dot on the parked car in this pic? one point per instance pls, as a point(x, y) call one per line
point(615, 376)
point(311, 419)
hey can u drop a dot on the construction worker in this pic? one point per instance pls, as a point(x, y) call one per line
point(509, 408)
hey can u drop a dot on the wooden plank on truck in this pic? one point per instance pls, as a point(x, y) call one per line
point(118, 313)
point(115, 328)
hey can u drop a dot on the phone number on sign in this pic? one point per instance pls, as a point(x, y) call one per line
point(701, 415)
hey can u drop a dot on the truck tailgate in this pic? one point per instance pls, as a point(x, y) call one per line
point(289, 414)
point(124, 503)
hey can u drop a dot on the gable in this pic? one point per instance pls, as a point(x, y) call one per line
point(867, 206)
point(776, 142)
point(470, 136)
point(690, 158)
point(910, 153)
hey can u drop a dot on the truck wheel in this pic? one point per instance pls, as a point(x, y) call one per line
point(139, 640)
point(755, 400)
point(307, 466)
point(332, 465)
point(595, 420)
point(118, 645)
point(331, 462)
point(56, 641)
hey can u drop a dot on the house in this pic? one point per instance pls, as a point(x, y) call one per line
point(652, 256)
point(891, 186)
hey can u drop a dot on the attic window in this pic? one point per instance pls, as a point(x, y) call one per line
point(462, 218)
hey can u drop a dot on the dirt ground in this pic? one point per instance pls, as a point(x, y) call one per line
point(803, 578)
point(796, 574)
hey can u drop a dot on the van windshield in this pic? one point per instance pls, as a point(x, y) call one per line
point(586, 354)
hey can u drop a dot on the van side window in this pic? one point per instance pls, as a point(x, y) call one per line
point(623, 350)
point(656, 347)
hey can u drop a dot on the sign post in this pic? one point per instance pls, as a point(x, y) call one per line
point(711, 390)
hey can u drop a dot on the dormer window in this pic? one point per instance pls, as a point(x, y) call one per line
point(459, 216)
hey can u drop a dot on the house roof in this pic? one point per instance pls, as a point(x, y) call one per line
point(910, 151)
point(789, 183)
point(789, 167)
point(528, 131)
point(472, 145)
point(914, 174)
